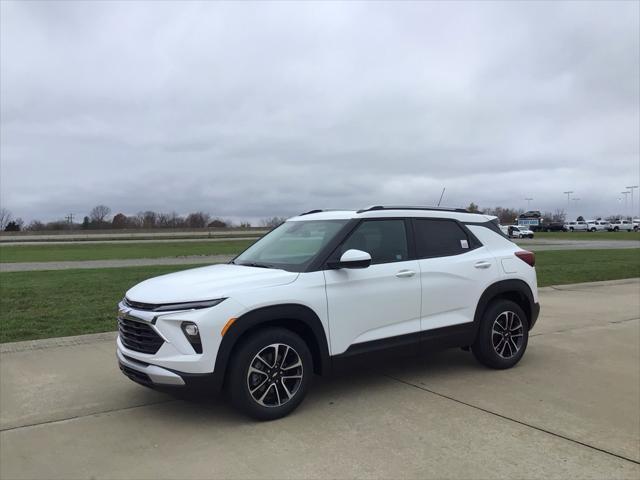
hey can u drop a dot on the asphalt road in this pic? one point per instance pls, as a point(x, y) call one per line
point(539, 244)
point(569, 409)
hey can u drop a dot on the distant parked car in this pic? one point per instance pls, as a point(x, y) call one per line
point(597, 225)
point(552, 227)
point(621, 225)
point(579, 226)
point(519, 231)
point(636, 224)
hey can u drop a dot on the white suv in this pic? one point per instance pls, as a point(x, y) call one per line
point(322, 287)
point(618, 225)
point(576, 226)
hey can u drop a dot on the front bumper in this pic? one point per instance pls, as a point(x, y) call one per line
point(165, 379)
point(146, 373)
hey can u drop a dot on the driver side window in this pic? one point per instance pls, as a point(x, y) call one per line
point(384, 240)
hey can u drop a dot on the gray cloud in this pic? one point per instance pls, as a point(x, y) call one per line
point(255, 109)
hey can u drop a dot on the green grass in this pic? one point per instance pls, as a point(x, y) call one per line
point(107, 251)
point(589, 235)
point(72, 302)
point(58, 303)
point(557, 267)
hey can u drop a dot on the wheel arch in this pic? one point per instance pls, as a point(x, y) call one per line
point(295, 317)
point(515, 290)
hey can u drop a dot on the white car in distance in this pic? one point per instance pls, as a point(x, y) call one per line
point(578, 226)
point(597, 225)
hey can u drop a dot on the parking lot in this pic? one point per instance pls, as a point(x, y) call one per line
point(571, 408)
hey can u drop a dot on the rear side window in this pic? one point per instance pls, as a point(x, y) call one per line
point(439, 238)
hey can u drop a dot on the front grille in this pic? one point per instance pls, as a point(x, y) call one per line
point(139, 336)
point(135, 375)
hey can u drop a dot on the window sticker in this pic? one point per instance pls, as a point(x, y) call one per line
point(464, 244)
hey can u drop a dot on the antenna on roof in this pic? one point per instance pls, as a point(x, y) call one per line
point(441, 195)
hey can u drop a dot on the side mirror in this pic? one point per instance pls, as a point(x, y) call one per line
point(354, 259)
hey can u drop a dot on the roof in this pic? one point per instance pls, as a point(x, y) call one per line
point(387, 212)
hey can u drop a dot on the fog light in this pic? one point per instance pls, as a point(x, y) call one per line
point(191, 329)
point(192, 333)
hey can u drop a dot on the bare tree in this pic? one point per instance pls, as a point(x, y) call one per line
point(5, 218)
point(36, 226)
point(559, 216)
point(273, 222)
point(99, 213)
point(197, 220)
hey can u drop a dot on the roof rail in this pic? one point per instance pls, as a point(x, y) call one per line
point(400, 207)
point(311, 211)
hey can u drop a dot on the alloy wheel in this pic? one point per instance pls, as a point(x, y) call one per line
point(507, 334)
point(275, 375)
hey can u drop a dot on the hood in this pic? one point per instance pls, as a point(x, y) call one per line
point(207, 283)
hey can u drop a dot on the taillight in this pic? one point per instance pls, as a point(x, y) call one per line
point(527, 257)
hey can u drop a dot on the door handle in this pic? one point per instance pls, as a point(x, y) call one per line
point(482, 265)
point(405, 273)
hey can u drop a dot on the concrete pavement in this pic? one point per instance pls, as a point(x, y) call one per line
point(571, 408)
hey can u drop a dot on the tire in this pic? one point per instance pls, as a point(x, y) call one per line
point(530, 236)
point(489, 347)
point(571, 229)
point(268, 401)
point(615, 229)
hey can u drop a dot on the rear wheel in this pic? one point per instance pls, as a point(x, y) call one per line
point(503, 335)
point(270, 374)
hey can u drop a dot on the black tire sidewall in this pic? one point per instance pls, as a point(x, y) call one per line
point(483, 347)
point(242, 356)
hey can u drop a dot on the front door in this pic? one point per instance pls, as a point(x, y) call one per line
point(380, 301)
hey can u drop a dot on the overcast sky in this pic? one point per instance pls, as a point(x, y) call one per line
point(247, 110)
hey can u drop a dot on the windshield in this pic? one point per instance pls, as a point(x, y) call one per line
point(291, 246)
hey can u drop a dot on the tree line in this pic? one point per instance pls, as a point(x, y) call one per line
point(100, 218)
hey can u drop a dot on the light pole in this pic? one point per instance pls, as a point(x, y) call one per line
point(576, 200)
point(568, 194)
point(626, 204)
point(528, 203)
point(633, 212)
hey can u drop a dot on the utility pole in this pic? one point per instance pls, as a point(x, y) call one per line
point(633, 212)
point(528, 203)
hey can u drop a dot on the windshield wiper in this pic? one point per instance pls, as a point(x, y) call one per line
point(255, 264)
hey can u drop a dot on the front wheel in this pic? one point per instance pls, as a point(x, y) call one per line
point(270, 374)
point(503, 335)
point(615, 229)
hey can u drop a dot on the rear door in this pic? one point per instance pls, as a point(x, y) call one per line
point(455, 269)
point(380, 301)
